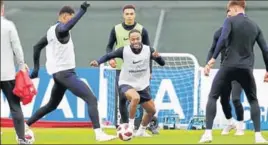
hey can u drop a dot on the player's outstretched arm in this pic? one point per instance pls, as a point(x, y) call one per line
point(156, 57)
point(118, 53)
point(68, 26)
point(36, 55)
point(223, 38)
point(264, 48)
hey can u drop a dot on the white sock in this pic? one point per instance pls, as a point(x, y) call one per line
point(231, 121)
point(98, 131)
point(240, 124)
point(26, 127)
point(208, 132)
point(258, 134)
point(142, 128)
point(131, 122)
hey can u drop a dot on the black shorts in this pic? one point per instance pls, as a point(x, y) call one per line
point(144, 94)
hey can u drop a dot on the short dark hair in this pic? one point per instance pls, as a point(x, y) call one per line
point(133, 31)
point(66, 9)
point(128, 7)
point(241, 3)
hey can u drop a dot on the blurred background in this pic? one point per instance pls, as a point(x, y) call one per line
point(188, 26)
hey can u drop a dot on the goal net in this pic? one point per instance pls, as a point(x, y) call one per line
point(174, 88)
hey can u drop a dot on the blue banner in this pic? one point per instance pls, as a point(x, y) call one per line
point(68, 110)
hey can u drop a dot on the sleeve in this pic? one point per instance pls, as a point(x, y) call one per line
point(145, 37)
point(63, 28)
point(112, 40)
point(16, 45)
point(118, 53)
point(158, 59)
point(223, 38)
point(264, 48)
point(37, 51)
point(146, 41)
point(212, 48)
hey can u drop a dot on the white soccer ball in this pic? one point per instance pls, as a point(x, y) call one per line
point(29, 136)
point(124, 132)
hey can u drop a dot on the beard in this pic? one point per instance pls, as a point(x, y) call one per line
point(136, 48)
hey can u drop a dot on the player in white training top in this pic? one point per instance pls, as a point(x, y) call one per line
point(61, 66)
point(134, 79)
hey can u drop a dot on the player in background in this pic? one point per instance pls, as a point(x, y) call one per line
point(236, 90)
point(134, 79)
point(61, 65)
point(10, 48)
point(237, 65)
point(119, 37)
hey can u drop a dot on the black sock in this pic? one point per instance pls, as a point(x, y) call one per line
point(123, 109)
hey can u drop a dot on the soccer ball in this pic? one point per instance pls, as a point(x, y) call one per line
point(29, 136)
point(124, 132)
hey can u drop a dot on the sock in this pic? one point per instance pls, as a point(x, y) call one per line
point(97, 131)
point(131, 122)
point(230, 121)
point(240, 124)
point(258, 134)
point(142, 128)
point(208, 132)
point(26, 126)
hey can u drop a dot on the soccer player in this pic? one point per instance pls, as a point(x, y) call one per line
point(10, 48)
point(134, 79)
point(236, 92)
point(241, 32)
point(61, 64)
point(119, 36)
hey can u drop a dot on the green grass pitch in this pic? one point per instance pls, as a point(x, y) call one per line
point(86, 136)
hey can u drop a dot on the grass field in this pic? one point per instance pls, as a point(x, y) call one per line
point(86, 136)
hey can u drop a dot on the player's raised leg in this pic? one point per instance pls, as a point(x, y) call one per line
point(239, 110)
point(57, 94)
point(70, 80)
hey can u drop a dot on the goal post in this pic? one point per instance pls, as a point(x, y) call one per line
point(174, 88)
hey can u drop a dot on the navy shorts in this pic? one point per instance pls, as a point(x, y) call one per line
point(144, 94)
